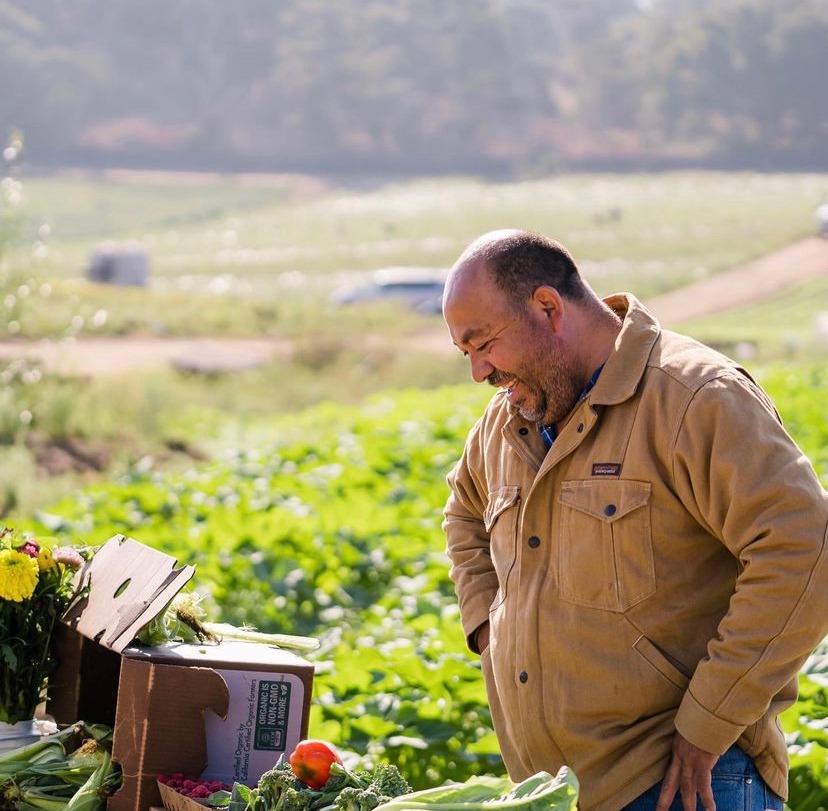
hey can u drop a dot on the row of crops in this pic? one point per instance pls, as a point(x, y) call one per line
point(330, 527)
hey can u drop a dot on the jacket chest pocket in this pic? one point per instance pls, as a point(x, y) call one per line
point(605, 551)
point(500, 520)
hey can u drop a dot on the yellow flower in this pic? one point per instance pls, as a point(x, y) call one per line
point(45, 561)
point(18, 575)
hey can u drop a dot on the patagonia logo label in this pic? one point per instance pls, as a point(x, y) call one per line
point(606, 469)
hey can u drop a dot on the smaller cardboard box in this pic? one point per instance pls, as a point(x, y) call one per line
point(173, 801)
point(226, 711)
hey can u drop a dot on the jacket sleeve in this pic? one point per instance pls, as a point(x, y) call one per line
point(472, 571)
point(747, 482)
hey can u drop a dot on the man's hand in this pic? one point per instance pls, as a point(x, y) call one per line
point(688, 773)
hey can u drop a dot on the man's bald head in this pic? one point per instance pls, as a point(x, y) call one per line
point(518, 262)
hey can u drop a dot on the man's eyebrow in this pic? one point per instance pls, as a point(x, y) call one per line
point(470, 334)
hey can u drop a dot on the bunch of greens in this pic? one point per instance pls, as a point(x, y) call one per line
point(540, 792)
point(71, 770)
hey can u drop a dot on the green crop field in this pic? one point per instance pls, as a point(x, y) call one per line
point(331, 528)
point(282, 236)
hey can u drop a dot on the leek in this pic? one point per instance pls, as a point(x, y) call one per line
point(223, 630)
point(183, 621)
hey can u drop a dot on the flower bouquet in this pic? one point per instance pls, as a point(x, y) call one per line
point(36, 588)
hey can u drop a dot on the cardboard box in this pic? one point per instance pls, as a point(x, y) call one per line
point(226, 711)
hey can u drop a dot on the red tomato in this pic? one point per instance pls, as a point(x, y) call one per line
point(311, 762)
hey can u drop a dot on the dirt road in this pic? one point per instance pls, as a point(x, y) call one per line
point(802, 260)
point(110, 356)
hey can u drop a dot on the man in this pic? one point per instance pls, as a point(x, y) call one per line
point(637, 545)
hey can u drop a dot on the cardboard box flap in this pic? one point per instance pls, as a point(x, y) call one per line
point(129, 585)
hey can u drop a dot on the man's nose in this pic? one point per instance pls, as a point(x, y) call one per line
point(480, 368)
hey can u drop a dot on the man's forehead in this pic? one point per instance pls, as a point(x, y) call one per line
point(467, 277)
point(473, 311)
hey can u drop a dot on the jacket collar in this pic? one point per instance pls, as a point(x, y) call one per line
point(626, 365)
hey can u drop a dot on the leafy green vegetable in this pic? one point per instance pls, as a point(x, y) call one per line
point(540, 792)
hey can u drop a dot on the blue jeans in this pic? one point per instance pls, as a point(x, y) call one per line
point(737, 786)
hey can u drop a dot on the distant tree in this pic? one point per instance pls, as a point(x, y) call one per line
point(729, 79)
point(415, 85)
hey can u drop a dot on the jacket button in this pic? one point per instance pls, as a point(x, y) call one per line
point(580, 427)
point(534, 541)
point(523, 431)
point(523, 676)
point(610, 509)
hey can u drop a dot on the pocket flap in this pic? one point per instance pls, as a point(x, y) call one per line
point(606, 501)
point(661, 663)
point(500, 500)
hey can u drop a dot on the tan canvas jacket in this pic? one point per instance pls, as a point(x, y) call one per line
point(662, 567)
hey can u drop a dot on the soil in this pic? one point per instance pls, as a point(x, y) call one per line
point(91, 357)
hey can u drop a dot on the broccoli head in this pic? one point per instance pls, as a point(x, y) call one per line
point(387, 781)
point(357, 799)
point(292, 800)
point(279, 790)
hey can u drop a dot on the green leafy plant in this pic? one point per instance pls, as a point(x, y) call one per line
point(806, 726)
point(330, 527)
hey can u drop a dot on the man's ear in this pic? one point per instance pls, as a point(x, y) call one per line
point(548, 301)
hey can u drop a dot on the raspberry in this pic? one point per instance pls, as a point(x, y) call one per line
point(194, 787)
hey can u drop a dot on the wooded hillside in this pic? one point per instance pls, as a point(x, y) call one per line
point(417, 85)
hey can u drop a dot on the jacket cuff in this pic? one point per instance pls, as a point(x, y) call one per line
point(472, 621)
point(471, 630)
point(703, 729)
point(471, 639)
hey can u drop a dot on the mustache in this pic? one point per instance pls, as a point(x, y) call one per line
point(498, 378)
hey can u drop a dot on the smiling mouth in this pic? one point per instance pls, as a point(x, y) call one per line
point(509, 385)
